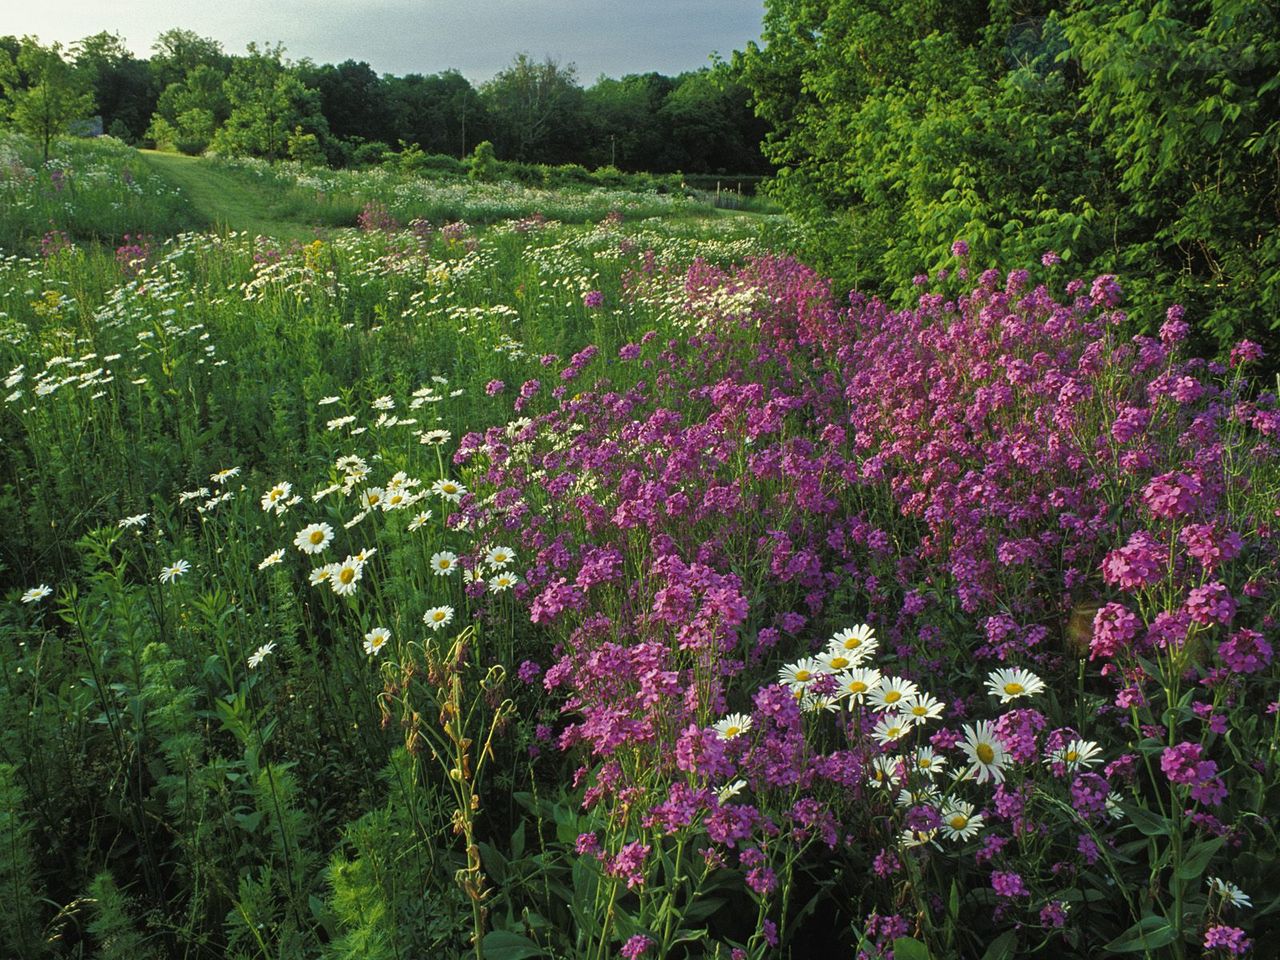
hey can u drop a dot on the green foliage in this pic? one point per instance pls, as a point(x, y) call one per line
point(46, 94)
point(482, 164)
point(20, 887)
point(113, 926)
point(268, 101)
point(1139, 140)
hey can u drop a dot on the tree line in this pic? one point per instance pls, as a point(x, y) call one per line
point(1135, 137)
point(191, 95)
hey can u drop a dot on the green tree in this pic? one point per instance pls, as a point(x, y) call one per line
point(189, 113)
point(268, 103)
point(536, 110)
point(1131, 137)
point(46, 94)
point(123, 88)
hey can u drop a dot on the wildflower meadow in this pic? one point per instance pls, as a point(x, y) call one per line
point(548, 573)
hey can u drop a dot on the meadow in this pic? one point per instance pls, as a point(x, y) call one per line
point(520, 572)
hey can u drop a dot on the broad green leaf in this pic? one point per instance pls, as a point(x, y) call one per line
point(1147, 934)
point(504, 945)
point(909, 948)
point(1198, 857)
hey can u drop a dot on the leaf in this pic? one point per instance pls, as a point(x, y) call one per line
point(909, 948)
point(1002, 946)
point(504, 945)
point(1150, 824)
point(1147, 934)
point(1198, 857)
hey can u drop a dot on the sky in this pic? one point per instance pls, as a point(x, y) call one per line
point(477, 37)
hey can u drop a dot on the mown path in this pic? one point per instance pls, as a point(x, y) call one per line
point(224, 200)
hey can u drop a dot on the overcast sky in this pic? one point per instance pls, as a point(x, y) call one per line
point(478, 37)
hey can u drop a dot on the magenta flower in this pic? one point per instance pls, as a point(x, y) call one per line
point(1172, 495)
point(1211, 603)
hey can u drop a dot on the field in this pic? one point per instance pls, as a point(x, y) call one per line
point(398, 567)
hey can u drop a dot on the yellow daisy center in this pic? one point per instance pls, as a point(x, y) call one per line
point(985, 752)
point(438, 616)
point(1071, 756)
point(918, 710)
point(839, 663)
point(444, 564)
point(732, 732)
point(925, 763)
point(856, 687)
point(1013, 689)
point(958, 821)
point(316, 536)
point(347, 574)
point(893, 696)
point(803, 675)
point(853, 643)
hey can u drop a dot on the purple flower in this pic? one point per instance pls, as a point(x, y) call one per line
point(1114, 627)
point(494, 387)
point(528, 672)
point(1172, 495)
point(1007, 883)
point(1050, 259)
point(1245, 651)
point(960, 249)
point(593, 299)
point(1211, 603)
point(1135, 565)
point(1246, 351)
point(1230, 939)
point(635, 947)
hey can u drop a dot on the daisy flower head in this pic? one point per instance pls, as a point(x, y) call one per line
point(959, 822)
point(314, 538)
point(443, 563)
point(916, 838)
point(222, 476)
point(929, 762)
point(449, 490)
point(858, 683)
point(891, 727)
point(326, 401)
point(322, 574)
point(137, 520)
point(860, 641)
point(1229, 892)
point(1009, 684)
point(985, 752)
point(438, 617)
point(365, 554)
point(1076, 754)
point(503, 581)
point(345, 576)
point(174, 571)
point(371, 498)
point(36, 594)
point(923, 707)
point(271, 559)
point(730, 790)
point(893, 692)
point(884, 771)
point(351, 465)
point(732, 726)
point(277, 498)
point(800, 674)
point(499, 557)
point(396, 499)
point(418, 522)
point(375, 640)
point(261, 654)
point(921, 796)
point(837, 660)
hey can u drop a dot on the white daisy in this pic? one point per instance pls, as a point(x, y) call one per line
point(733, 725)
point(345, 576)
point(884, 771)
point(261, 654)
point(271, 559)
point(1076, 754)
point(857, 683)
point(137, 520)
point(450, 490)
point(375, 640)
point(174, 571)
point(923, 707)
point(438, 617)
point(499, 557)
point(836, 660)
point(891, 727)
point(892, 693)
point(959, 822)
point(1229, 892)
point(420, 520)
point(277, 497)
point(322, 574)
point(859, 641)
point(730, 790)
point(503, 581)
point(800, 674)
point(443, 563)
point(36, 594)
point(314, 538)
point(222, 476)
point(1009, 684)
point(927, 761)
point(985, 752)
